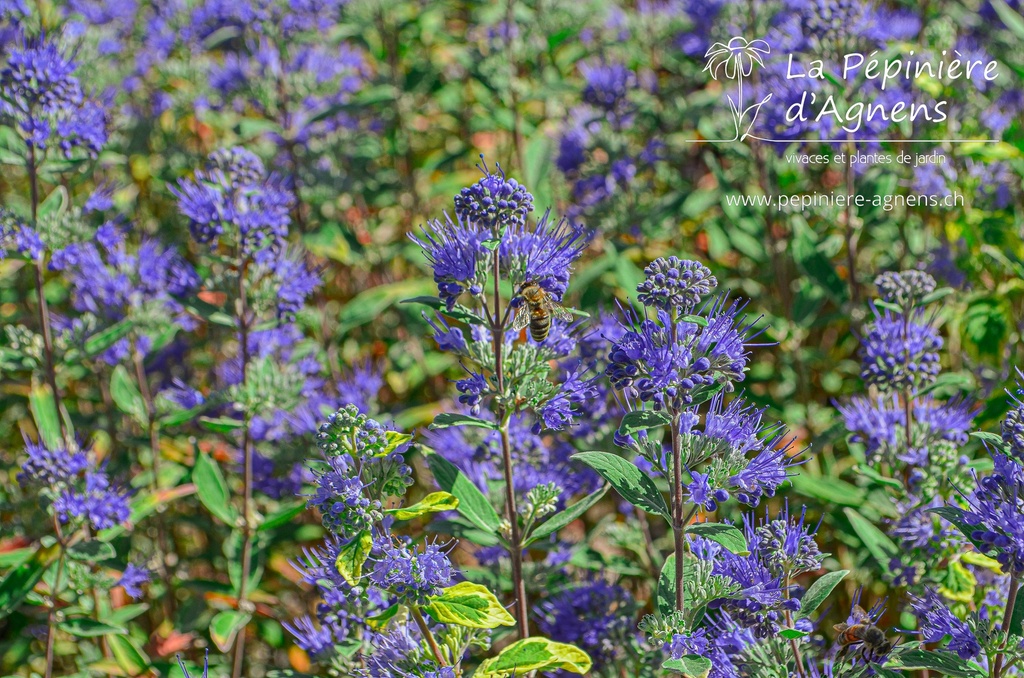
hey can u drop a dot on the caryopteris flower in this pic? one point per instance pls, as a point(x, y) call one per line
point(76, 488)
point(663, 361)
point(937, 621)
point(494, 201)
point(457, 254)
point(675, 284)
point(414, 575)
point(234, 198)
point(544, 254)
point(44, 99)
point(900, 352)
point(132, 580)
point(787, 546)
point(905, 288)
point(595, 616)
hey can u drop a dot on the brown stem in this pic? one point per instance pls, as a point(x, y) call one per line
point(239, 658)
point(1011, 602)
point(51, 621)
point(793, 643)
point(678, 526)
point(167, 601)
point(427, 634)
point(44, 309)
point(515, 536)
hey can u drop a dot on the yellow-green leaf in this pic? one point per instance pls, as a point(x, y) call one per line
point(225, 625)
point(432, 503)
point(352, 556)
point(469, 604)
point(128, 654)
point(959, 583)
point(534, 654)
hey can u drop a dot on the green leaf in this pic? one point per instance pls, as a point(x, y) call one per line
point(691, 666)
point(875, 541)
point(631, 483)
point(989, 438)
point(127, 397)
point(395, 440)
point(641, 420)
point(472, 502)
point(106, 338)
point(698, 320)
point(128, 654)
point(225, 625)
point(377, 622)
point(666, 595)
point(372, 302)
point(282, 516)
point(534, 654)
point(213, 489)
point(449, 419)
point(1013, 20)
point(56, 203)
point(459, 312)
point(84, 627)
point(946, 663)
point(955, 517)
point(19, 581)
point(432, 503)
point(469, 604)
point(352, 556)
point(727, 535)
point(820, 590)
point(44, 412)
point(221, 424)
point(91, 551)
point(792, 634)
point(560, 520)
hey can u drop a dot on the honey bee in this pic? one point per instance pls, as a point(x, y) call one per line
point(536, 311)
point(875, 644)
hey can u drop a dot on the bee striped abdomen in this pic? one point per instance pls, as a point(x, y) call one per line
point(540, 325)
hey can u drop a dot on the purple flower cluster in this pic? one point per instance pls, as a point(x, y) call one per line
point(133, 578)
point(937, 622)
point(900, 351)
point(409, 574)
point(234, 199)
point(594, 615)
point(675, 284)
point(995, 513)
point(665, 360)
point(78, 489)
point(113, 283)
point(40, 93)
point(493, 202)
point(460, 252)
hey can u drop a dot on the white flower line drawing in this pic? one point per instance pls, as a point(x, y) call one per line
point(738, 58)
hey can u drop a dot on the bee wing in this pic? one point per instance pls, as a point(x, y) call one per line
point(840, 628)
point(561, 312)
point(859, 615)
point(521, 318)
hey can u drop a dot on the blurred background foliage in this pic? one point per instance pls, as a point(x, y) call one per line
point(376, 113)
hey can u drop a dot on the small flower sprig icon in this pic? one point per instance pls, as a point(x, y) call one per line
point(736, 59)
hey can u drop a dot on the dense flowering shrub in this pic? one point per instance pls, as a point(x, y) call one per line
point(289, 388)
